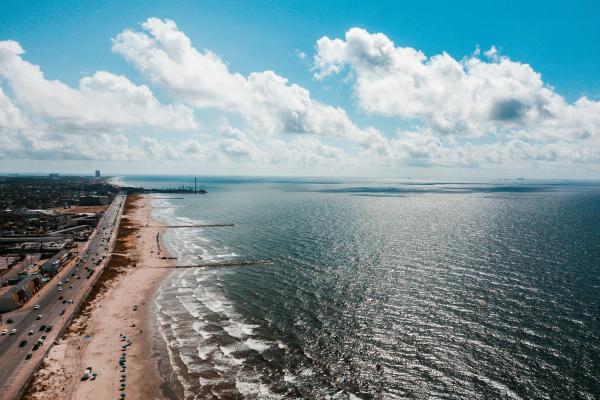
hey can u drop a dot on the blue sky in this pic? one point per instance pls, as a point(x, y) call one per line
point(70, 40)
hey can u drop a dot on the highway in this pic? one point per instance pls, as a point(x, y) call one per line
point(56, 307)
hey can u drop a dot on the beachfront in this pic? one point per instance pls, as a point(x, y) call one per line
point(118, 314)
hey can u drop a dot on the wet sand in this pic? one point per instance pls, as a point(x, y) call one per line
point(94, 338)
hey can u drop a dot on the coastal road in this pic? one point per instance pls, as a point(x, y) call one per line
point(57, 301)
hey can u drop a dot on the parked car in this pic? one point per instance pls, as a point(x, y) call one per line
point(42, 328)
point(39, 316)
point(48, 328)
point(4, 332)
point(62, 311)
point(30, 333)
point(28, 356)
point(37, 307)
point(23, 343)
point(13, 331)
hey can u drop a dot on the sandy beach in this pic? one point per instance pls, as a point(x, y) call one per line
point(119, 305)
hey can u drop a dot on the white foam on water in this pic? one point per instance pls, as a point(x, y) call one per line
point(176, 369)
point(200, 328)
point(204, 351)
point(224, 363)
point(288, 376)
point(258, 345)
point(239, 329)
point(255, 390)
point(230, 349)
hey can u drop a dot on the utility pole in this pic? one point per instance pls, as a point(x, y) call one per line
point(195, 186)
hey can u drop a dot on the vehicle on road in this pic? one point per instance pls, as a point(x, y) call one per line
point(37, 307)
point(9, 321)
point(4, 332)
point(23, 343)
point(59, 289)
point(39, 316)
point(13, 331)
point(28, 356)
point(42, 328)
point(48, 328)
point(62, 311)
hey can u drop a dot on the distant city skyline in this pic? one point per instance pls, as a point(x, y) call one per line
point(431, 90)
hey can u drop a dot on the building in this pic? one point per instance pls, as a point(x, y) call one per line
point(97, 173)
point(54, 264)
point(12, 297)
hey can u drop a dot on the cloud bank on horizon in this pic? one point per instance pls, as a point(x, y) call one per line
point(483, 110)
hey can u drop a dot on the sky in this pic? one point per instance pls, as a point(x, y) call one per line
point(428, 89)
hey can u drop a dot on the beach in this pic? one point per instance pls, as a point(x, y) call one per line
point(120, 304)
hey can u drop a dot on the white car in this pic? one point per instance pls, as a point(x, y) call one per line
point(39, 316)
point(59, 289)
point(4, 332)
point(37, 307)
point(13, 331)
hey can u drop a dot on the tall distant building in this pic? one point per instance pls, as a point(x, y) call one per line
point(97, 173)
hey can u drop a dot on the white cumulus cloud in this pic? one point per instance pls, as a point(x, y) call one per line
point(470, 97)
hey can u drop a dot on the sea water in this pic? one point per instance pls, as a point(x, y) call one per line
point(382, 289)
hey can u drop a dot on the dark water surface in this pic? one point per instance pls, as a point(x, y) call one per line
point(384, 290)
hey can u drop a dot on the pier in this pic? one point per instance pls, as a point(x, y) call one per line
point(189, 226)
point(234, 263)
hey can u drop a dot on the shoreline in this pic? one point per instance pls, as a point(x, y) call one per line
point(93, 338)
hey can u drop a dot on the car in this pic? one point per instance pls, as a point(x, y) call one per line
point(30, 333)
point(36, 307)
point(62, 311)
point(13, 331)
point(64, 301)
point(43, 337)
point(66, 280)
point(29, 355)
point(78, 277)
point(70, 286)
point(4, 332)
point(39, 316)
point(59, 289)
point(42, 328)
point(61, 297)
point(23, 343)
point(70, 301)
point(48, 329)
point(9, 321)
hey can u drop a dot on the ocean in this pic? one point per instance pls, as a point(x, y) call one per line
point(382, 289)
